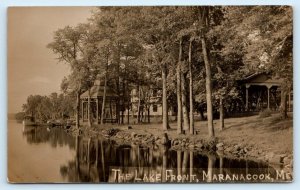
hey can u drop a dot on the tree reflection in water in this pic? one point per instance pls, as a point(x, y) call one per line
point(99, 160)
point(56, 137)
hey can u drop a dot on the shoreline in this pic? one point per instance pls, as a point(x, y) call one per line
point(144, 136)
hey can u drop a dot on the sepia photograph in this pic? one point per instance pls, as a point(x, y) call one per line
point(150, 94)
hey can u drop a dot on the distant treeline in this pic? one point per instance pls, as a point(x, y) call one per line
point(43, 108)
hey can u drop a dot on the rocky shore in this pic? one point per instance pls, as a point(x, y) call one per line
point(281, 162)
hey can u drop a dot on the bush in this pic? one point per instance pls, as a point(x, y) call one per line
point(265, 113)
point(19, 116)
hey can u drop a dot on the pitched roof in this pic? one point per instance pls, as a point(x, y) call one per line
point(97, 91)
point(261, 78)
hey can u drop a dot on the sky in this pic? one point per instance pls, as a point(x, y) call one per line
point(32, 67)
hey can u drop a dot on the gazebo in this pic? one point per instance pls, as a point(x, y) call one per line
point(96, 98)
point(262, 91)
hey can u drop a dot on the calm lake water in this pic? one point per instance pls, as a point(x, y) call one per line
point(36, 154)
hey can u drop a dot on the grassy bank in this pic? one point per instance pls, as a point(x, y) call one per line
point(268, 134)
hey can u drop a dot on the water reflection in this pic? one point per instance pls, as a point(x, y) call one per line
point(103, 161)
point(97, 160)
point(56, 137)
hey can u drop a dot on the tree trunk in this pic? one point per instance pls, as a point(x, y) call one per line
point(179, 103)
point(191, 165)
point(148, 110)
point(139, 105)
point(89, 109)
point(126, 95)
point(185, 162)
point(221, 114)
point(210, 167)
point(123, 98)
point(208, 85)
point(104, 95)
point(179, 164)
point(164, 163)
point(118, 85)
point(191, 90)
point(128, 103)
point(128, 116)
point(283, 105)
point(77, 108)
point(164, 99)
point(102, 159)
point(185, 114)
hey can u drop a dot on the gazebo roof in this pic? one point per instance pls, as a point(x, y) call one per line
point(97, 91)
point(258, 78)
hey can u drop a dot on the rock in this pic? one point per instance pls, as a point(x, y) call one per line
point(286, 160)
point(220, 145)
point(220, 148)
point(133, 134)
point(276, 159)
point(237, 147)
point(199, 145)
point(176, 142)
point(269, 155)
point(173, 140)
point(119, 135)
point(252, 153)
point(229, 149)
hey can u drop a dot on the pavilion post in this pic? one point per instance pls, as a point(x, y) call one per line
point(247, 97)
point(82, 110)
point(268, 98)
point(268, 88)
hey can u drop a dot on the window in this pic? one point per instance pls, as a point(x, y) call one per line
point(154, 108)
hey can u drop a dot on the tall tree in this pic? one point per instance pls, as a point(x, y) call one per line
point(191, 97)
point(179, 103)
point(185, 113)
point(67, 44)
point(204, 19)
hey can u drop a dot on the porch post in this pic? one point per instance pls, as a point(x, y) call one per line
point(268, 88)
point(268, 98)
point(86, 109)
point(82, 109)
point(247, 96)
